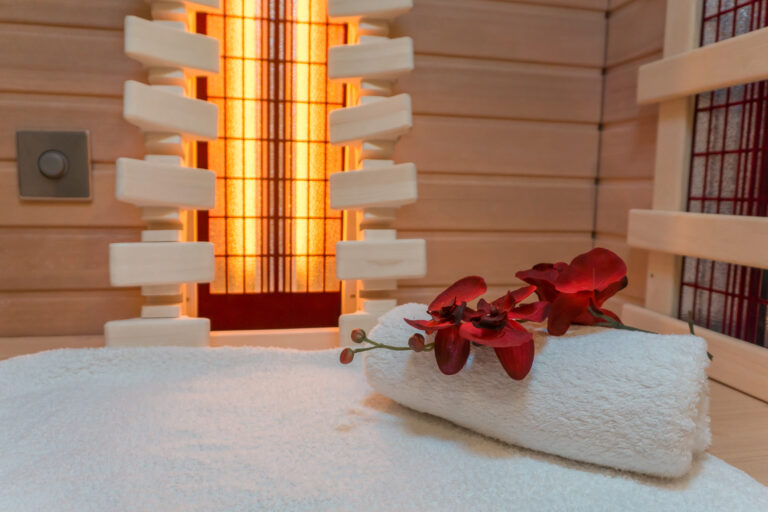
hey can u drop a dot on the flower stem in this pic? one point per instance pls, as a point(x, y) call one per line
point(427, 348)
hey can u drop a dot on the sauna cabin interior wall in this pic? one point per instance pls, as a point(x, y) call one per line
point(508, 96)
point(62, 67)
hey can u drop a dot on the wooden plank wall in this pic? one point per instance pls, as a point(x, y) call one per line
point(628, 138)
point(62, 68)
point(507, 103)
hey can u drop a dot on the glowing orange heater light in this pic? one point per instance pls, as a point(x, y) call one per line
point(272, 227)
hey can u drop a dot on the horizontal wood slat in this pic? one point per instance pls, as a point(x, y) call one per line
point(103, 211)
point(476, 88)
point(492, 146)
point(738, 60)
point(78, 13)
point(620, 96)
point(47, 313)
point(111, 136)
point(57, 259)
point(64, 60)
point(635, 31)
point(495, 256)
point(12, 347)
point(628, 149)
point(736, 363)
point(505, 31)
point(499, 204)
point(615, 199)
point(727, 238)
point(597, 5)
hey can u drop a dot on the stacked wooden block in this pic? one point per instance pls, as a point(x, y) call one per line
point(160, 184)
point(379, 186)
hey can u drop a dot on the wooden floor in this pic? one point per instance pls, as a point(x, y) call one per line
point(739, 422)
point(740, 430)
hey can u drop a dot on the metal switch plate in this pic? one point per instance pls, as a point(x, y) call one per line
point(54, 165)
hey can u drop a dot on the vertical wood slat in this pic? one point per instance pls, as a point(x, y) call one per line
point(673, 153)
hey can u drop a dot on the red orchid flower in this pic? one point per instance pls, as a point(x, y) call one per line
point(497, 325)
point(447, 311)
point(578, 289)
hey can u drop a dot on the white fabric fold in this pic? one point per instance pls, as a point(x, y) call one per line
point(627, 400)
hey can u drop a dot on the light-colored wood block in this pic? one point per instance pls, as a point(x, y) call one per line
point(148, 263)
point(150, 183)
point(197, 5)
point(384, 119)
point(729, 238)
point(153, 109)
point(169, 217)
point(352, 10)
point(164, 144)
point(167, 76)
point(384, 59)
point(160, 235)
point(738, 60)
point(162, 290)
point(158, 332)
point(161, 311)
point(379, 187)
point(738, 364)
point(156, 45)
point(377, 149)
point(381, 256)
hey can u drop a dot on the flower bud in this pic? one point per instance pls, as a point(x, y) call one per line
point(358, 335)
point(416, 342)
point(346, 356)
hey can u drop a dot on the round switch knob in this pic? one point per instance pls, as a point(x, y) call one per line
point(53, 164)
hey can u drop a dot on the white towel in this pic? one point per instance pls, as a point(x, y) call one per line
point(253, 429)
point(622, 399)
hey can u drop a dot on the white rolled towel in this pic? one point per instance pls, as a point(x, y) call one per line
point(622, 399)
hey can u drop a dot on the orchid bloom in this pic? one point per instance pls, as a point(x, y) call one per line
point(447, 311)
point(497, 325)
point(577, 291)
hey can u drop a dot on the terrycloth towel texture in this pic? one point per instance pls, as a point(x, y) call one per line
point(179, 429)
point(622, 399)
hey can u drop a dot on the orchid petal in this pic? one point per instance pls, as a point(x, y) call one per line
point(509, 336)
point(608, 292)
point(428, 325)
point(595, 270)
point(463, 290)
point(534, 312)
point(517, 361)
point(565, 310)
point(543, 276)
point(451, 351)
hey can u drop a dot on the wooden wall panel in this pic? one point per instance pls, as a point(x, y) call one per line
point(58, 258)
point(495, 256)
point(111, 136)
point(494, 146)
point(103, 211)
point(494, 203)
point(615, 199)
point(510, 90)
point(72, 13)
point(64, 60)
point(636, 260)
point(504, 31)
point(620, 100)
point(62, 68)
point(595, 5)
point(634, 31)
point(47, 313)
point(628, 149)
